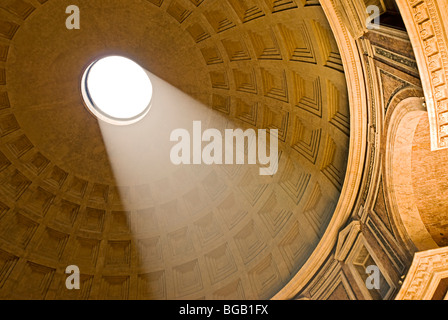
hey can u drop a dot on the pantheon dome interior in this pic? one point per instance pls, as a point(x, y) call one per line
point(351, 97)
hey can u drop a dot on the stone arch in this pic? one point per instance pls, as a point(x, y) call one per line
point(398, 174)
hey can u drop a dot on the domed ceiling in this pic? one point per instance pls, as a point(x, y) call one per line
point(75, 191)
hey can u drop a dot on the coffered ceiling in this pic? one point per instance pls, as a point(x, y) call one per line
point(188, 232)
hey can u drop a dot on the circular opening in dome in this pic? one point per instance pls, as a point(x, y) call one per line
point(117, 90)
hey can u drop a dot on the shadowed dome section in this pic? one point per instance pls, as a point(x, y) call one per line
point(75, 191)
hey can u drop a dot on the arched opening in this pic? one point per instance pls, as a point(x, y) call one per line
point(400, 137)
point(117, 90)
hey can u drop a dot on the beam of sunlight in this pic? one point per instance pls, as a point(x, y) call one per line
point(205, 202)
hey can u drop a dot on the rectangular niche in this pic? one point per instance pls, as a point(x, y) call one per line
point(360, 258)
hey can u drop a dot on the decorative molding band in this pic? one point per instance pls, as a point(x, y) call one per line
point(424, 23)
point(427, 271)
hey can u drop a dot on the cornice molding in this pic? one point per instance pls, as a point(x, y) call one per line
point(425, 26)
point(424, 276)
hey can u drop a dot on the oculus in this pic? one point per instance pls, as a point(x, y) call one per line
point(117, 90)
